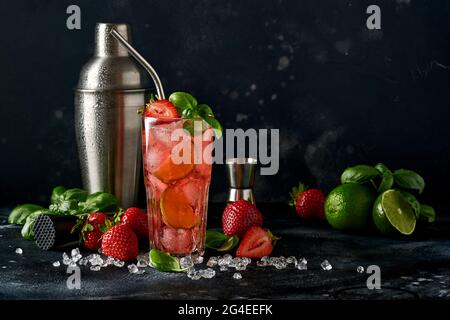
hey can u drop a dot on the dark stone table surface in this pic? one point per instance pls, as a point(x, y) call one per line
point(416, 267)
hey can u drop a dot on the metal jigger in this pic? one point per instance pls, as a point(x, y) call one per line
point(241, 178)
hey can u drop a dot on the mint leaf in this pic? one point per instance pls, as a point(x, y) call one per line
point(164, 262)
point(409, 180)
point(428, 212)
point(359, 174)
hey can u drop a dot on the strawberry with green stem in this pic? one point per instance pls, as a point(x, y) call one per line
point(91, 228)
point(309, 203)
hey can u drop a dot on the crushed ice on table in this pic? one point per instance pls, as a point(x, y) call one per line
point(212, 262)
point(186, 262)
point(326, 265)
point(360, 269)
point(76, 255)
point(132, 268)
point(95, 259)
point(198, 274)
point(291, 260)
point(223, 268)
point(197, 259)
point(143, 260)
point(66, 260)
point(237, 276)
point(19, 251)
point(302, 264)
point(56, 264)
point(119, 263)
point(95, 268)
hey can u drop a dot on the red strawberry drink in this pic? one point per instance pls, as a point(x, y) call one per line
point(177, 159)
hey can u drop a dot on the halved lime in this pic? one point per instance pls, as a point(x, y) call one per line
point(398, 211)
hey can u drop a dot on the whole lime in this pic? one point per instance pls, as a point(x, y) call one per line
point(348, 207)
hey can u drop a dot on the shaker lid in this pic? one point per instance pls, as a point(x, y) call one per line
point(111, 67)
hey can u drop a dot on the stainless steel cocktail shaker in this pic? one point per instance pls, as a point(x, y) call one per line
point(110, 90)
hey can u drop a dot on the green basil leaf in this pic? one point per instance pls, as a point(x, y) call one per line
point(57, 194)
point(183, 101)
point(27, 231)
point(215, 239)
point(409, 180)
point(164, 262)
point(412, 200)
point(205, 111)
point(382, 168)
point(75, 194)
point(99, 201)
point(387, 179)
point(218, 241)
point(229, 244)
point(359, 174)
point(215, 124)
point(428, 212)
point(20, 213)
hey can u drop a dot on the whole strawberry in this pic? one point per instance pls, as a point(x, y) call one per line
point(120, 242)
point(137, 220)
point(92, 228)
point(308, 202)
point(239, 216)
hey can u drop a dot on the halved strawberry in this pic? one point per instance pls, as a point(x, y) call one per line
point(257, 243)
point(161, 109)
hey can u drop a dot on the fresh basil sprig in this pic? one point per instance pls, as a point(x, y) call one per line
point(164, 262)
point(63, 202)
point(218, 241)
point(189, 108)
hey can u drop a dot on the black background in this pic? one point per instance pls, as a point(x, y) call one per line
point(348, 95)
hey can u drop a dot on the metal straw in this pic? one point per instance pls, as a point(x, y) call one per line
point(142, 61)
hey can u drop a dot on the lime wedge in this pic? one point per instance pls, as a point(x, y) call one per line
point(398, 211)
